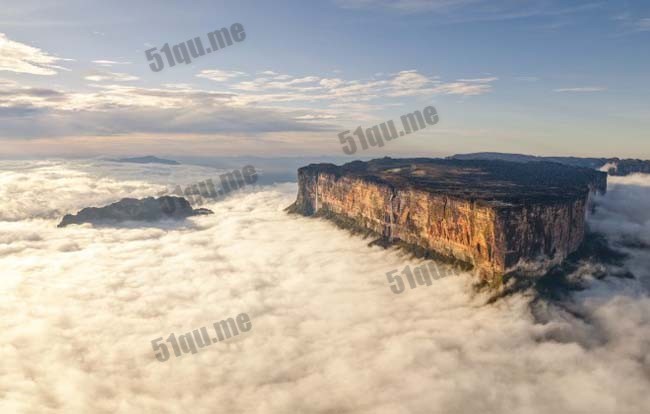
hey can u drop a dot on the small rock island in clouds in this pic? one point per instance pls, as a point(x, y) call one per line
point(130, 209)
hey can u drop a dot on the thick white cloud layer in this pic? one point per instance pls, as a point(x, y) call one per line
point(80, 306)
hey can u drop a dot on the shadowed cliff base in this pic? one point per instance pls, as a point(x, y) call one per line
point(594, 258)
point(557, 294)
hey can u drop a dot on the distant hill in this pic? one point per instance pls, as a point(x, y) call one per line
point(149, 159)
point(614, 166)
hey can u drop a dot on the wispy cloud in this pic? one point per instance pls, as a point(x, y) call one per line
point(108, 63)
point(312, 117)
point(247, 103)
point(631, 23)
point(527, 78)
point(219, 75)
point(114, 109)
point(643, 25)
point(21, 58)
point(582, 89)
point(474, 10)
point(178, 85)
point(408, 6)
point(479, 80)
point(105, 76)
point(273, 87)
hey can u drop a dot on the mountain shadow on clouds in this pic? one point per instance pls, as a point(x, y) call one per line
point(595, 258)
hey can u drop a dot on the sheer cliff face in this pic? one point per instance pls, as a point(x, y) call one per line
point(538, 236)
point(494, 235)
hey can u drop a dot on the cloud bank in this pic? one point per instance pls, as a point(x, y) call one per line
point(80, 306)
point(113, 104)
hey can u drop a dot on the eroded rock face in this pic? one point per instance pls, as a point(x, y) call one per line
point(130, 209)
point(498, 216)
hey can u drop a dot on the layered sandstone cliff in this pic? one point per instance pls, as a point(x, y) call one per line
point(497, 216)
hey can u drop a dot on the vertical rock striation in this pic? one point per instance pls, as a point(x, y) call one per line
point(498, 216)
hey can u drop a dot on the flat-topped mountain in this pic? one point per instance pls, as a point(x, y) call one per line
point(614, 166)
point(492, 182)
point(498, 216)
point(130, 209)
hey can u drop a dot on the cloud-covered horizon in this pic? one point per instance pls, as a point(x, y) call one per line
point(80, 306)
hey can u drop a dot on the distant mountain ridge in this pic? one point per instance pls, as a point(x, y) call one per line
point(617, 166)
point(149, 159)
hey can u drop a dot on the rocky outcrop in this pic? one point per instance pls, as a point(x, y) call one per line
point(500, 217)
point(628, 166)
point(130, 209)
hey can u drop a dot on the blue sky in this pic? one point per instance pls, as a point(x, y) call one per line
point(539, 76)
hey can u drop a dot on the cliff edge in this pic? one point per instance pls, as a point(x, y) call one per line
point(497, 216)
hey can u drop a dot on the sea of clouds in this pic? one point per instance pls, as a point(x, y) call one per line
point(80, 305)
